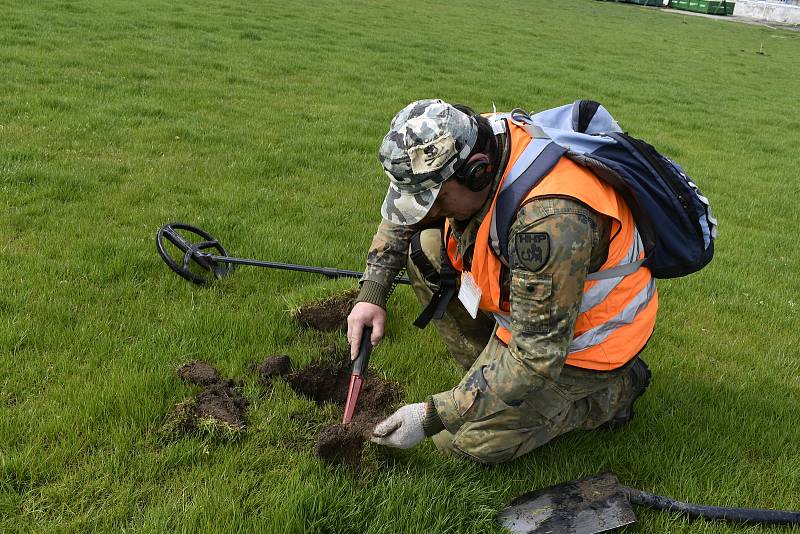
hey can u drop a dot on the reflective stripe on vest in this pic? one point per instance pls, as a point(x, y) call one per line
point(598, 334)
point(503, 321)
point(603, 288)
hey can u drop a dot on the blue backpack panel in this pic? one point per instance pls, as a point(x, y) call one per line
point(673, 217)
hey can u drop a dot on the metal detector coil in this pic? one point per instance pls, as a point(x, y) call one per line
point(195, 252)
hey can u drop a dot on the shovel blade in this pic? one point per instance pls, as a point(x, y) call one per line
point(585, 506)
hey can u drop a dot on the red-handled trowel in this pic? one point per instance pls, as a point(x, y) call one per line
point(357, 375)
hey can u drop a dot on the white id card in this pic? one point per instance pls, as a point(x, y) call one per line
point(469, 294)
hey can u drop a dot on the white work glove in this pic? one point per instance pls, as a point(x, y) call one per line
point(402, 429)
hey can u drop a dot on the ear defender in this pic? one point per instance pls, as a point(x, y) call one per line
point(477, 173)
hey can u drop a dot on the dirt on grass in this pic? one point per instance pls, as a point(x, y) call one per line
point(328, 314)
point(341, 444)
point(222, 402)
point(219, 404)
point(328, 382)
point(273, 367)
point(198, 373)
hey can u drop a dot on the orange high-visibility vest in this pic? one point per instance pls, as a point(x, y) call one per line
point(617, 314)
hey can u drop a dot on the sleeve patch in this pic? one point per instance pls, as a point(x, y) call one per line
point(532, 249)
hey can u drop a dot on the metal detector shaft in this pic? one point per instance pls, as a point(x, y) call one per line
point(325, 271)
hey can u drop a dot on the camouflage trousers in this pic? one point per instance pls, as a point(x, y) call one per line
point(579, 399)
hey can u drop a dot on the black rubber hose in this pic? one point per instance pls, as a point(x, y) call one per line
point(699, 511)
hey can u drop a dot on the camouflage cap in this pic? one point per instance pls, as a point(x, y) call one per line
point(427, 141)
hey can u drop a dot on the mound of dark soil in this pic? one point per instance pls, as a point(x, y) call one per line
point(328, 382)
point(219, 403)
point(328, 314)
point(199, 373)
point(340, 444)
point(222, 402)
point(273, 367)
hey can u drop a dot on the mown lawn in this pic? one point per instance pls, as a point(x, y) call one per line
point(260, 121)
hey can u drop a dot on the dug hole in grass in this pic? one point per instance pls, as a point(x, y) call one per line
point(219, 409)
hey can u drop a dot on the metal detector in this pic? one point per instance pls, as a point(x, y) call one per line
point(198, 256)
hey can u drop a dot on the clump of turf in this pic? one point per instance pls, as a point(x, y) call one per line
point(273, 367)
point(198, 373)
point(329, 314)
point(218, 407)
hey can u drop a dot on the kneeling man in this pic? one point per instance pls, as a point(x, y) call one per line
point(512, 277)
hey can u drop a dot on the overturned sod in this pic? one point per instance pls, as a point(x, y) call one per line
point(273, 367)
point(220, 405)
point(198, 373)
point(327, 315)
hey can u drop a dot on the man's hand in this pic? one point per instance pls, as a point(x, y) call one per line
point(364, 314)
point(403, 429)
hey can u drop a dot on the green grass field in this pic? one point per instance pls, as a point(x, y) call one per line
point(260, 121)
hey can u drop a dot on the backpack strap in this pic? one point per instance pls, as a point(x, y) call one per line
point(448, 283)
point(583, 111)
point(521, 118)
point(513, 193)
point(420, 260)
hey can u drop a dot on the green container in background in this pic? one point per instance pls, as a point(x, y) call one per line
point(718, 7)
point(711, 7)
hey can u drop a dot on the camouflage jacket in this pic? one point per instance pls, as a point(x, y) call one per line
point(545, 294)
